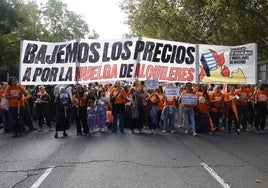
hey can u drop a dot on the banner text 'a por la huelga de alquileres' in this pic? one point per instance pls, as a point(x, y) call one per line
point(85, 61)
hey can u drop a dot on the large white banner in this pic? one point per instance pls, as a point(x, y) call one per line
point(84, 61)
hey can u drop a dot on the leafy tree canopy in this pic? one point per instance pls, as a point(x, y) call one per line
point(25, 20)
point(217, 22)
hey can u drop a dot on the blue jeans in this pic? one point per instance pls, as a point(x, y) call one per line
point(189, 118)
point(169, 117)
point(118, 112)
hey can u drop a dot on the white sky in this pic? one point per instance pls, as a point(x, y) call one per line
point(104, 16)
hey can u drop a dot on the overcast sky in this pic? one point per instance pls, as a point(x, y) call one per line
point(104, 16)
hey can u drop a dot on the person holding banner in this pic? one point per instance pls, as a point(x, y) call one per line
point(63, 105)
point(117, 96)
point(15, 94)
point(230, 107)
point(189, 100)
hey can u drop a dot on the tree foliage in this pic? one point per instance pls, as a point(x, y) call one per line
point(218, 22)
point(25, 20)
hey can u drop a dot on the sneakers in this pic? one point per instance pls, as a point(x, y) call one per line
point(247, 130)
point(172, 131)
point(186, 131)
point(65, 134)
point(102, 129)
point(194, 134)
point(164, 131)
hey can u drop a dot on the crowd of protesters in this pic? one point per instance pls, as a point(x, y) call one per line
point(102, 107)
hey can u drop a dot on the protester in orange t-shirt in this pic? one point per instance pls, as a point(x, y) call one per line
point(118, 98)
point(15, 94)
point(216, 106)
point(242, 107)
point(251, 99)
point(230, 105)
point(151, 109)
point(203, 121)
point(79, 100)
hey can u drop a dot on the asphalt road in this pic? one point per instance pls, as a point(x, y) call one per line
point(116, 160)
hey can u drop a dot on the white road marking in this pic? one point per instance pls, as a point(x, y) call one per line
point(42, 177)
point(215, 175)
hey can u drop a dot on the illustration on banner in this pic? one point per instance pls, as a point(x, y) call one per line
point(213, 68)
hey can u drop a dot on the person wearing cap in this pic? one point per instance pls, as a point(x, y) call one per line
point(189, 101)
point(42, 103)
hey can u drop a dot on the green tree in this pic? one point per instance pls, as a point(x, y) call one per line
point(24, 20)
point(15, 25)
point(218, 22)
point(60, 24)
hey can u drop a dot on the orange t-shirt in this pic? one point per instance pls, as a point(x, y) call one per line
point(262, 96)
point(202, 104)
point(121, 98)
point(217, 105)
point(170, 101)
point(14, 91)
point(160, 104)
point(243, 94)
point(227, 97)
point(82, 103)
